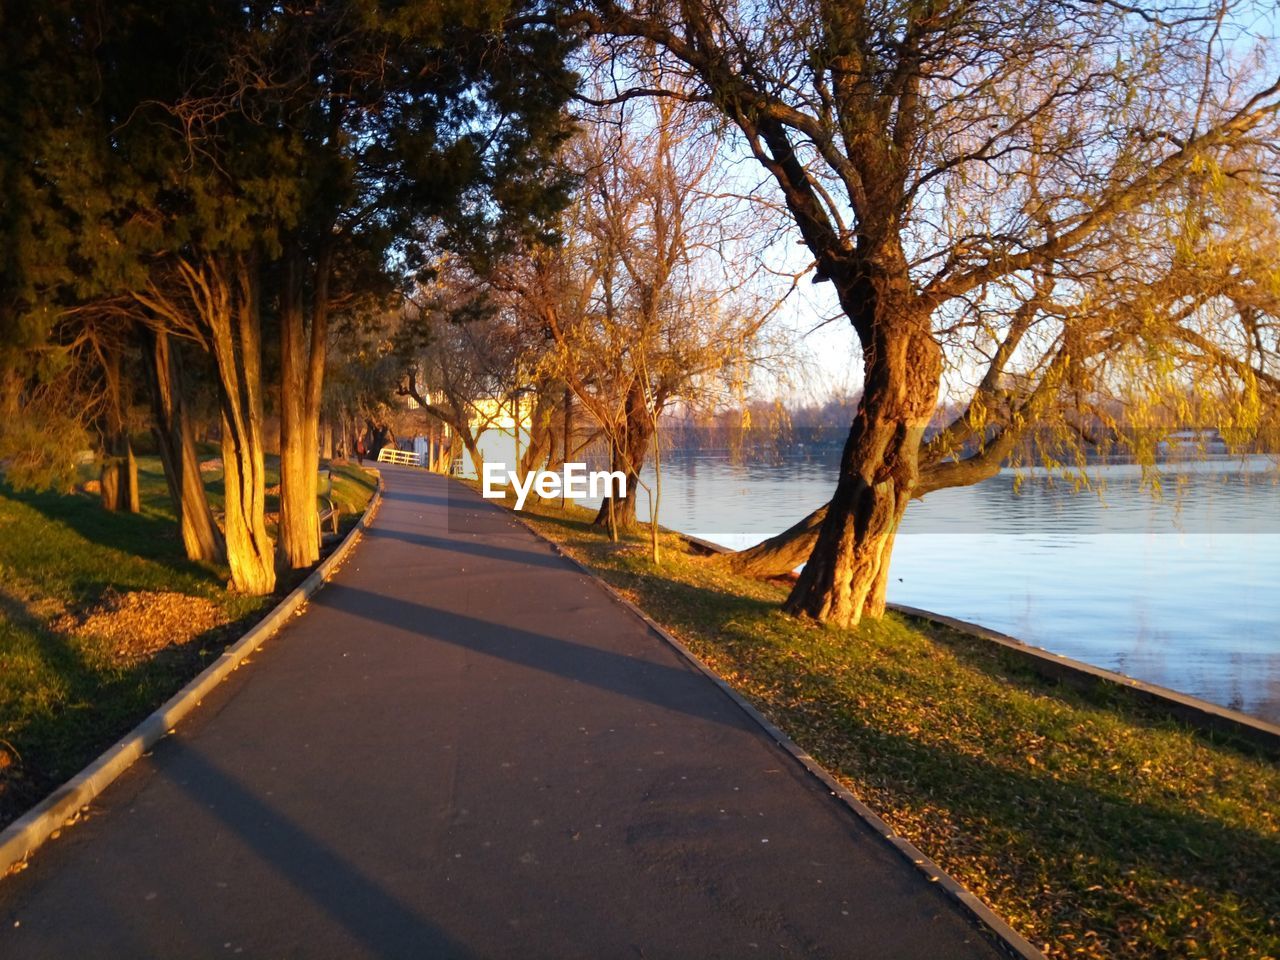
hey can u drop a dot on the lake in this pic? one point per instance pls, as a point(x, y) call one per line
point(1182, 589)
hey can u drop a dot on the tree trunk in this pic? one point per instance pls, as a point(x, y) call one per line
point(877, 598)
point(301, 388)
point(626, 455)
point(119, 475)
point(342, 448)
point(567, 439)
point(556, 419)
point(554, 458)
point(656, 502)
point(440, 436)
point(477, 458)
point(844, 577)
point(175, 439)
point(235, 335)
point(299, 531)
point(540, 439)
point(619, 512)
point(326, 439)
point(780, 554)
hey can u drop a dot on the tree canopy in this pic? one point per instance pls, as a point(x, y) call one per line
point(210, 172)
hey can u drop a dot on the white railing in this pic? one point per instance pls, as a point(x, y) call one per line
point(406, 458)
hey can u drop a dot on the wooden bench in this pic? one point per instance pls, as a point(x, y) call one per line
point(329, 513)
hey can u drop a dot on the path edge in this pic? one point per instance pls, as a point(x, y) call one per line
point(1005, 937)
point(25, 835)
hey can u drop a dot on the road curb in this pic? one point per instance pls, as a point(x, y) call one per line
point(22, 837)
point(1004, 936)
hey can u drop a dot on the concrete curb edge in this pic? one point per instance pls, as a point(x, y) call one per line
point(22, 837)
point(1192, 710)
point(1004, 935)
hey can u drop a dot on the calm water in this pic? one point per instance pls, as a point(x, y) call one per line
point(1181, 590)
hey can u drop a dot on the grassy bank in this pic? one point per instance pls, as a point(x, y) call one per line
point(1096, 827)
point(102, 619)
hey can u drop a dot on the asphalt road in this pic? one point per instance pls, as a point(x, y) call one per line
point(465, 748)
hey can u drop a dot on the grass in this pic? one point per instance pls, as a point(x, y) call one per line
point(67, 693)
point(1096, 827)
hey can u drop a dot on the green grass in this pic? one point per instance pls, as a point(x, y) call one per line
point(1096, 827)
point(63, 696)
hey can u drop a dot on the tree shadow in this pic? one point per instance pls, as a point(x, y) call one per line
point(150, 535)
point(384, 923)
point(1003, 666)
point(470, 548)
point(1045, 821)
point(704, 598)
point(1011, 670)
point(430, 500)
point(672, 687)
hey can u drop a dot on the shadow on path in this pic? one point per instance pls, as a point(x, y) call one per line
point(669, 687)
point(428, 500)
point(386, 925)
point(470, 547)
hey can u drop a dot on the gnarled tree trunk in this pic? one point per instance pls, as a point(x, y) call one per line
point(844, 578)
point(780, 554)
point(216, 299)
point(201, 538)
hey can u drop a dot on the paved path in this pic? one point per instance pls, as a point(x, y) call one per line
point(465, 749)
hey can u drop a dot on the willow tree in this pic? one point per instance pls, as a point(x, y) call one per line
point(960, 173)
point(1174, 323)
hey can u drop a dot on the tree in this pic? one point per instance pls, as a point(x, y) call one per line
point(175, 439)
point(382, 121)
point(57, 384)
point(955, 171)
point(1183, 334)
point(460, 356)
point(209, 173)
point(107, 191)
point(215, 300)
point(119, 473)
point(640, 302)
